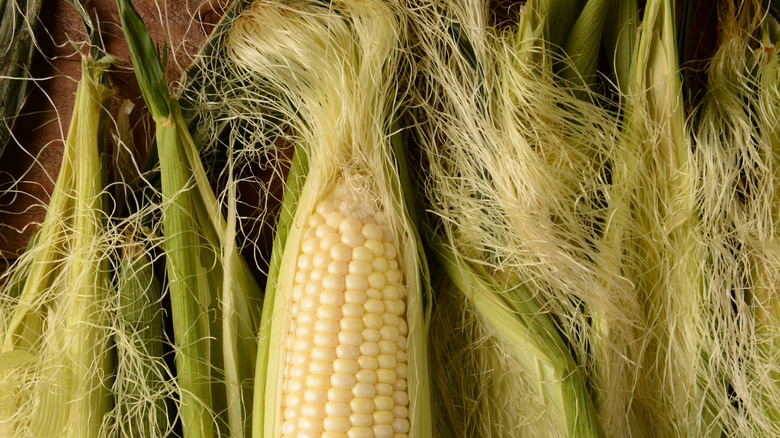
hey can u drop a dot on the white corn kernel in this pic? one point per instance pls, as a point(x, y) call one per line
point(340, 395)
point(324, 230)
point(372, 231)
point(350, 338)
point(387, 347)
point(348, 366)
point(332, 297)
point(327, 241)
point(351, 324)
point(350, 224)
point(384, 389)
point(310, 303)
point(366, 376)
point(336, 424)
point(318, 274)
point(369, 349)
point(298, 372)
point(327, 354)
point(315, 396)
point(355, 282)
point(327, 340)
point(363, 390)
point(338, 268)
point(362, 405)
point(376, 247)
point(390, 292)
point(383, 417)
point(334, 219)
point(327, 326)
point(400, 411)
point(401, 425)
point(316, 411)
point(382, 430)
point(374, 306)
point(352, 240)
point(361, 420)
point(306, 262)
point(370, 334)
point(290, 428)
point(335, 282)
point(401, 398)
point(342, 381)
point(325, 208)
point(402, 370)
point(385, 376)
point(355, 296)
point(391, 320)
point(329, 312)
point(383, 403)
point(390, 251)
point(386, 361)
point(354, 310)
point(341, 252)
point(372, 321)
point(368, 363)
point(347, 352)
point(336, 409)
point(360, 253)
point(316, 220)
point(292, 414)
point(360, 267)
point(322, 367)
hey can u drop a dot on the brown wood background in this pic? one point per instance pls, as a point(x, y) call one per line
point(35, 161)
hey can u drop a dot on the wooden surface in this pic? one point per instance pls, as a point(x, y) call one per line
point(31, 166)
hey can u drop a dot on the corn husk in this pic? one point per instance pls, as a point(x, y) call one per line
point(330, 73)
point(214, 297)
point(18, 27)
point(59, 322)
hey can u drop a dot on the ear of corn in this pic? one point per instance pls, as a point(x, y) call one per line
point(342, 349)
point(495, 153)
point(141, 373)
point(58, 324)
point(652, 234)
point(538, 347)
point(736, 159)
point(213, 294)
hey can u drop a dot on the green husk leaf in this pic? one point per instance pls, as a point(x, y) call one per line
point(146, 58)
point(140, 386)
point(619, 39)
point(18, 27)
point(583, 43)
